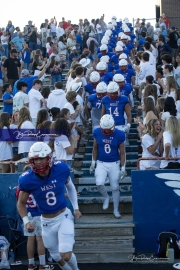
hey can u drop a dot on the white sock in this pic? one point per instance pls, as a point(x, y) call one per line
point(65, 267)
point(103, 191)
point(73, 262)
point(31, 261)
point(116, 199)
point(42, 260)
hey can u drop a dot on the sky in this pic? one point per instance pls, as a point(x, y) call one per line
point(20, 12)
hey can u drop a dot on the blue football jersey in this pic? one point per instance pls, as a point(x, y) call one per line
point(116, 108)
point(127, 74)
point(110, 54)
point(90, 88)
point(48, 192)
point(95, 101)
point(126, 89)
point(108, 146)
point(32, 206)
point(106, 77)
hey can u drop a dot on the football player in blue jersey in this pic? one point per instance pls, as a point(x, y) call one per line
point(128, 74)
point(124, 88)
point(122, 56)
point(105, 41)
point(115, 105)
point(46, 182)
point(115, 57)
point(105, 76)
point(108, 151)
point(106, 59)
point(94, 102)
point(104, 51)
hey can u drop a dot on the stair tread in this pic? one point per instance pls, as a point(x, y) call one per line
point(103, 220)
point(89, 180)
point(96, 198)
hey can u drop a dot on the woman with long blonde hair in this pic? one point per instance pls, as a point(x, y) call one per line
point(152, 144)
point(171, 86)
point(171, 141)
point(24, 125)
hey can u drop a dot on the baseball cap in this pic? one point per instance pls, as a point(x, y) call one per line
point(84, 62)
point(25, 72)
point(13, 51)
point(76, 86)
point(173, 27)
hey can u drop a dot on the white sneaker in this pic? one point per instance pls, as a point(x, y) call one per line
point(176, 265)
point(106, 203)
point(117, 214)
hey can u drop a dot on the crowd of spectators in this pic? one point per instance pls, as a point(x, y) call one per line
point(145, 58)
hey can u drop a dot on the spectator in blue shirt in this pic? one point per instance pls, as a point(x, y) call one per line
point(18, 41)
point(8, 98)
point(73, 56)
point(9, 25)
point(141, 42)
point(26, 56)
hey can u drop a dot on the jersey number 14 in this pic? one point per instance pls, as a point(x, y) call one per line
point(115, 113)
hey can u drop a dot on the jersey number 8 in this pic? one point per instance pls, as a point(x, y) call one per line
point(51, 198)
point(107, 149)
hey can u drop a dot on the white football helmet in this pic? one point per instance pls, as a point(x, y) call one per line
point(114, 23)
point(104, 40)
point(118, 78)
point(119, 49)
point(120, 34)
point(123, 56)
point(104, 47)
point(94, 77)
point(101, 90)
point(109, 26)
point(101, 66)
point(120, 43)
point(112, 87)
point(108, 32)
point(40, 150)
point(107, 124)
point(127, 30)
point(105, 59)
point(123, 62)
point(124, 37)
point(114, 18)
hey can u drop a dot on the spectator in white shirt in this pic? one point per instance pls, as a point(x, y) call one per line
point(171, 141)
point(99, 31)
point(59, 30)
point(64, 144)
point(177, 97)
point(147, 48)
point(169, 110)
point(53, 24)
point(25, 123)
point(57, 97)
point(71, 98)
point(146, 68)
point(20, 99)
point(62, 47)
point(35, 99)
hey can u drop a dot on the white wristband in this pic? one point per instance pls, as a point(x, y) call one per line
point(25, 220)
point(123, 168)
point(93, 162)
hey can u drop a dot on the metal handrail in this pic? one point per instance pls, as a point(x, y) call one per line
point(158, 158)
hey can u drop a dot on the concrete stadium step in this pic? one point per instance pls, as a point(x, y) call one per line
point(85, 171)
point(102, 238)
point(129, 163)
point(88, 190)
point(129, 155)
point(88, 149)
point(91, 180)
